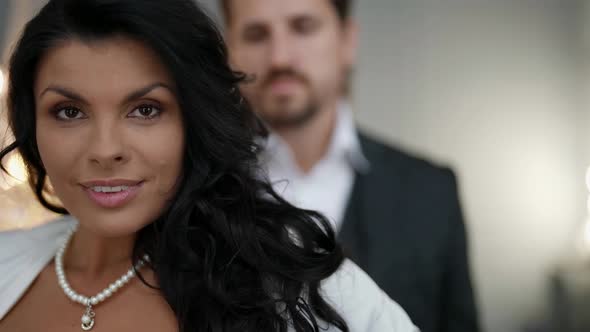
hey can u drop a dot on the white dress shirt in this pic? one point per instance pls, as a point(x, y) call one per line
point(25, 253)
point(327, 186)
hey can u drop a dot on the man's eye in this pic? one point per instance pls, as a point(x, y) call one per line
point(255, 34)
point(305, 26)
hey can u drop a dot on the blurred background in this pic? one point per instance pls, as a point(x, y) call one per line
point(497, 89)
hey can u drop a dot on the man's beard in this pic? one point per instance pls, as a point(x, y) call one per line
point(291, 120)
point(277, 116)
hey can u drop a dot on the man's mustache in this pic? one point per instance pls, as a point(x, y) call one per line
point(282, 74)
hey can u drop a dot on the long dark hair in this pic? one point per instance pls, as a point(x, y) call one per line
point(229, 253)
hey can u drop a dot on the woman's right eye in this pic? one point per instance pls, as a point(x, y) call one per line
point(69, 113)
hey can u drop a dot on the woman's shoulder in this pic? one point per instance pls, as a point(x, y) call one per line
point(14, 242)
point(23, 254)
point(362, 304)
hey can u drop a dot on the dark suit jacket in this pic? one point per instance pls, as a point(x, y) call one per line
point(404, 227)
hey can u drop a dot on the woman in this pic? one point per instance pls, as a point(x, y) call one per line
point(126, 111)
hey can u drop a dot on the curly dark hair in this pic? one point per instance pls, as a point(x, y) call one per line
point(229, 253)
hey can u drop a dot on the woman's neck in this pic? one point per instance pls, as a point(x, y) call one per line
point(93, 255)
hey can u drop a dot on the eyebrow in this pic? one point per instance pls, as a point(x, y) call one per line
point(257, 23)
point(132, 96)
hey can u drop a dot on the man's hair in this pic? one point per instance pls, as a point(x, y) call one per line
point(342, 8)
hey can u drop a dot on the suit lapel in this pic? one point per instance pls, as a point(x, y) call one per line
point(370, 230)
point(352, 234)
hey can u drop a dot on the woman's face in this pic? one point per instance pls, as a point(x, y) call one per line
point(109, 132)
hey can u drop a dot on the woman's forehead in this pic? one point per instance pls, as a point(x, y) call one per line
point(113, 64)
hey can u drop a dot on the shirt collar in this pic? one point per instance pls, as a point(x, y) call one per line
point(345, 140)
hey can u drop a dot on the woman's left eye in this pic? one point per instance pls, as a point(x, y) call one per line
point(145, 112)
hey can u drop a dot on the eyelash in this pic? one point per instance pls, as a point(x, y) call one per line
point(156, 108)
point(59, 109)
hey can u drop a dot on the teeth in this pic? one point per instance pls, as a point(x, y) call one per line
point(100, 189)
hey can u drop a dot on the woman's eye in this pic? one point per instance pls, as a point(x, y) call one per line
point(145, 112)
point(69, 113)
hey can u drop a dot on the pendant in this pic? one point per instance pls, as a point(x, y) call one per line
point(88, 319)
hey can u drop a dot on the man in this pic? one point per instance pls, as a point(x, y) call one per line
point(397, 216)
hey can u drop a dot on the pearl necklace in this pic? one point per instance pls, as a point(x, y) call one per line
point(88, 316)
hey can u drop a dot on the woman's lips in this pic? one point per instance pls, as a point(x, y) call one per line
point(111, 200)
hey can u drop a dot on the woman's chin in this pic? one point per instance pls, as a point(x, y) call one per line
point(119, 225)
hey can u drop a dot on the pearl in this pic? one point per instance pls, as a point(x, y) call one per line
point(85, 319)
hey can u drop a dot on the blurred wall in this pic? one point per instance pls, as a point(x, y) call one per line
point(5, 6)
point(586, 86)
point(13, 15)
point(491, 88)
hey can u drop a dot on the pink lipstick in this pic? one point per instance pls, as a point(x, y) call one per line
point(112, 193)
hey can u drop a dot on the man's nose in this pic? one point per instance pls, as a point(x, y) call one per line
point(281, 51)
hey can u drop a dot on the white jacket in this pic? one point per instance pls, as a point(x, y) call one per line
point(362, 304)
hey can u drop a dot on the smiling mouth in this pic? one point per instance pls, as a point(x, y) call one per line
point(105, 189)
point(112, 194)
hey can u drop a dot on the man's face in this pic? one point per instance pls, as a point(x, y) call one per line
point(298, 52)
